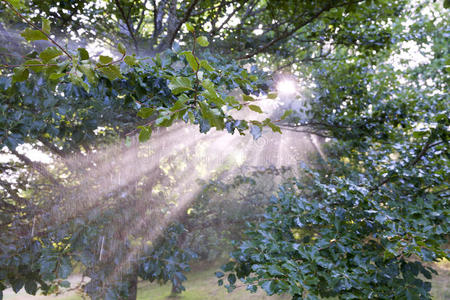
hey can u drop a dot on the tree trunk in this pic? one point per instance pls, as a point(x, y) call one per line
point(132, 288)
point(175, 291)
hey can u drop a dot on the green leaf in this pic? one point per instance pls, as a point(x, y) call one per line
point(180, 103)
point(88, 71)
point(192, 61)
point(49, 54)
point(180, 84)
point(247, 98)
point(189, 27)
point(20, 74)
point(231, 278)
point(212, 116)
point(205, 65)
point(145, 133)
point(104, 60)
point(231, 100)
point(164, 119)
point(419, 134)
point(272, 96)
point(17, 3)
point(256, 108)
point(274, 127)
point(121, 48)
point(252, 288)
point(274, 270)
point(202, 41)
point(47, 265)
point(210, 93)
point(111, 71)
point(130, 60)
point(46, 26)
point(228, 266)
point(31, 287)
point(219, 274)
point(209, 85)
point(33, 35)
point(83, 54)
point(56, 76)
point(268, 287)
point(37, 62)
point(17, 285)
point(145, 112)
point(287, 113)
point(76, 79)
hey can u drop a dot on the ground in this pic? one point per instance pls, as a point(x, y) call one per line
point(202, 285)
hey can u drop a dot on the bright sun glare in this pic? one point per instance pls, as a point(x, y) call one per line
point(287, 87)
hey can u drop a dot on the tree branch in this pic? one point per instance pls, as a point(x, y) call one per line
point(286, 127)
point(171, 34)
point(428, 145)
point(158, 13)
point(142, 17)
point(127, 23)
point(12, 193)
point(37, 28)
point(288, 33)
point(228, 18)
point(37, 167)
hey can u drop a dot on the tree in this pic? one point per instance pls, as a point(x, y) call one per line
point(365, 223)
point(73, 103)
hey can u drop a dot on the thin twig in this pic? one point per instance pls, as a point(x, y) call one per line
point(37, 28)
point(99, 66)
point(34, 65)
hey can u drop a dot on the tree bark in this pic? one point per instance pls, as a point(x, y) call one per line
point(132, 288)
point(175, 291)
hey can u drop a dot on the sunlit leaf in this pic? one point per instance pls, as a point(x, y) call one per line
point(83, 54)
point(111, 71)
point(145, 133)
point(272, 96)
point(205, 65)
point(180, 84)
point(189, 27)
point(46, 26)
point(286, 114)
point(145, 112)
point(17, 3)
point(202, 41)
point(20, 74)
point(192, 61)
point(121, 48)
point(256, 108)
point(130, 60)
point(49, 54)
point(104, 60)
point(38, 63)
point(33, 35)
point(56, 76)
point(247, 98)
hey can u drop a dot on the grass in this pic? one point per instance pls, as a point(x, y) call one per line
point(441, 283)
point(202, 285)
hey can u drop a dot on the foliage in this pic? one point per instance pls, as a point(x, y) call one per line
point(195, 95)
point(365, 223)
point(386, 174)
